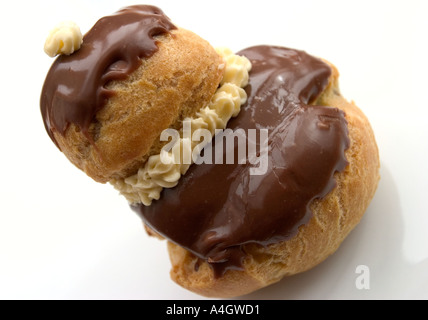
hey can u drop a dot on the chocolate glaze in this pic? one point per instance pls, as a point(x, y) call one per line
point(75, 87)
point(217, 209)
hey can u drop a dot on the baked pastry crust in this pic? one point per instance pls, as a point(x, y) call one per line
point(333, 219)
point(174, 83)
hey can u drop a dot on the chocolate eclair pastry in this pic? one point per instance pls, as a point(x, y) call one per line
point(232, 233)
point(229, 232)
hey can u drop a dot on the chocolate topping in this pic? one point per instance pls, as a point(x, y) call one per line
point(75, 87)
point(217, 209)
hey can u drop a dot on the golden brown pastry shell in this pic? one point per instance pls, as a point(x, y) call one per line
point(333, 219)
point(175, 83)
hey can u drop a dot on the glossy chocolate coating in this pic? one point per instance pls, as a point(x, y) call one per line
point(75, 87)
point(216, 209)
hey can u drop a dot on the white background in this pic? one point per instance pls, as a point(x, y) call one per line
point(63, 236)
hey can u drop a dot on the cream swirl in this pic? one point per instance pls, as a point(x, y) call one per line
point(165, 170)
point(65, 38)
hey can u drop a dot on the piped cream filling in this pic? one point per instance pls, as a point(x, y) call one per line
point(147, 184)
point(66, 38)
